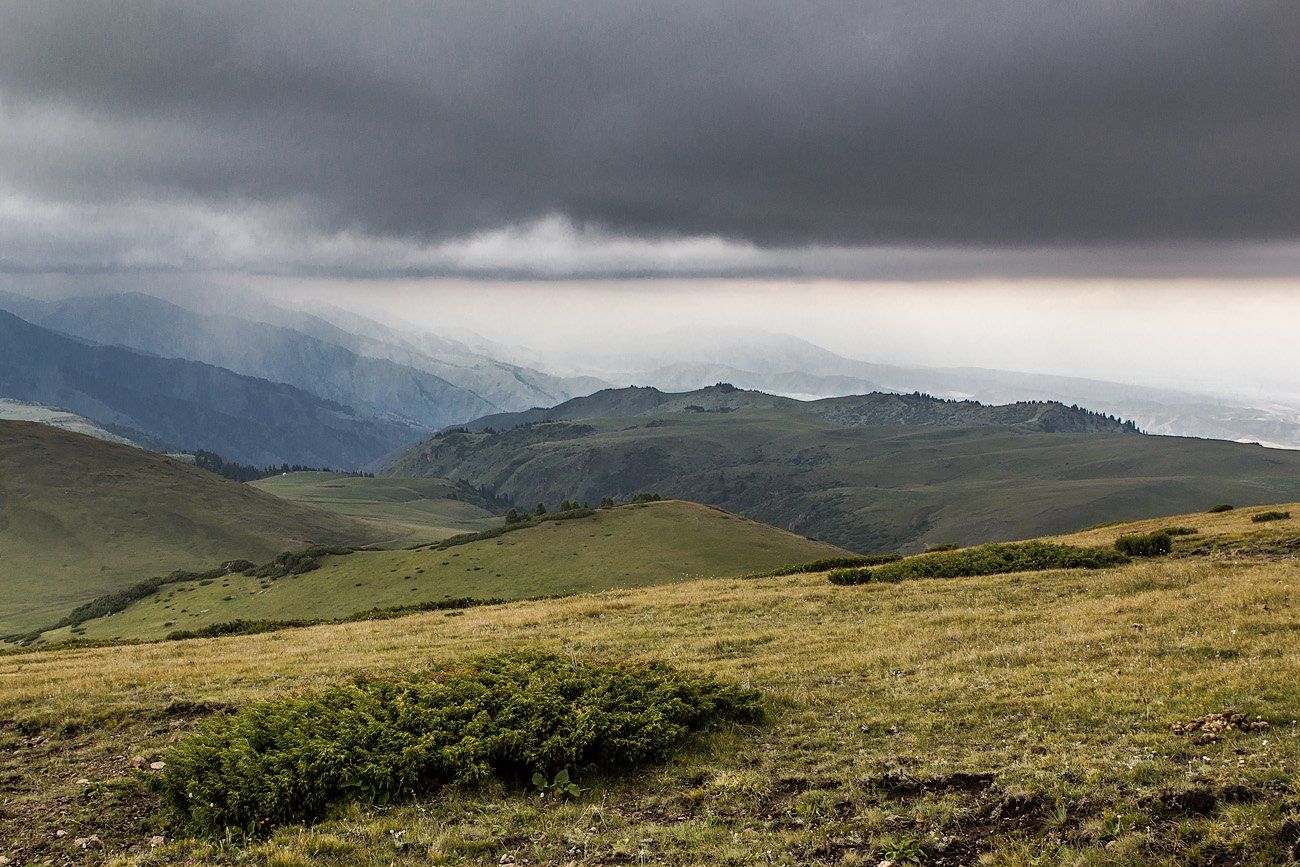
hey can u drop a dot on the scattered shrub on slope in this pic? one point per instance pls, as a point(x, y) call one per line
point(991, 559)
point(1269, 516)
point(1145, 545)
point(827, 564)
point(508, 716)
point(520, 522)
point(1222, 507)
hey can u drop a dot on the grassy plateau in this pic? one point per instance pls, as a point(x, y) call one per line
point(1143, 714)
point(629, 546)
point(403, 511)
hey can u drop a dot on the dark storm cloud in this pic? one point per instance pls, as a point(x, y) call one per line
point(982, 123)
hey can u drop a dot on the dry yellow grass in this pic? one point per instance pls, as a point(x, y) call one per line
point(1207, 525)
point(1060, 687)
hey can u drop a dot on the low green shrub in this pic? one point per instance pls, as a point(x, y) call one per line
point(945, 546)
point(1145, 545)
point(1180, 531)
point(1222, 507)
point(1262, 517)
point(992, 559)
point(827, 564)
point(375, 739)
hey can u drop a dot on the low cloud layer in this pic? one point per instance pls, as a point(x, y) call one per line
point(549, 139)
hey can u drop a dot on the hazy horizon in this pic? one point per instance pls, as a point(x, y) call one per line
point(1094, 189)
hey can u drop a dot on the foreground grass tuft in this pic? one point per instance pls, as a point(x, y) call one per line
point(994, 559)
point(505, 716)
point(1154, 544)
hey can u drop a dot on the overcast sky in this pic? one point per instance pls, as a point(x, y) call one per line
point(408, 150)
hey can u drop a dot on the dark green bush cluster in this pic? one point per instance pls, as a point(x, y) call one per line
point(1222, 507)
point(993, 559)
point(1146, 544)
point(506, 716)
point(1262, 517)
point(1180, 531)
point(827, 564)
point(297, 562)
point(645, 497)
point(946, 546)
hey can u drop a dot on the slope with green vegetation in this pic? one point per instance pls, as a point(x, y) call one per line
point(80, 517)
point(404, 511)
point(1143, 715)
point(877, 409)
point(870, 487)
point(628, 546)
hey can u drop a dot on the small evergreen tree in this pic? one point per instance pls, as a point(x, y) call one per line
point(512, 516)
point(607, 502)
point(540, 510)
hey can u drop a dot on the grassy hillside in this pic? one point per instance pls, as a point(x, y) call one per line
point(80, 517)
point(871, 489)
point(877, 409)
point(1068, 717)
point(404, 511)
point(1225, 530)
point(630, 546)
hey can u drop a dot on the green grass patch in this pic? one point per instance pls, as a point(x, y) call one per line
point(1264, 517)
point(1154, 544)
point(285, 563)
point(376, 739)
point(402, 511)
point(993, 559)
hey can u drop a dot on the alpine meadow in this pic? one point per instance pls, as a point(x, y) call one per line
point(622, 434)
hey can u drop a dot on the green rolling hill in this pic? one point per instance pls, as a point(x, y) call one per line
point(871, 473)
point(80, 517)
point(403, 511)
point(629, 546)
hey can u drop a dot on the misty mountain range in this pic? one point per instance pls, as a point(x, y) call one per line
point(787, 365)
point(330, 387)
